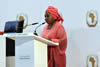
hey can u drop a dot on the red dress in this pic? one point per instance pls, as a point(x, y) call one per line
point(56, 54)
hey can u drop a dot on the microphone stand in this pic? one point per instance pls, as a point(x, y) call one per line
point(35, 33)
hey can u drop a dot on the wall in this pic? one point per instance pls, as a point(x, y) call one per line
point(74, 14)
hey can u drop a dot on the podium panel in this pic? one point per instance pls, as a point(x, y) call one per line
point(40, 54)
point(24, 52)
point(2, 52)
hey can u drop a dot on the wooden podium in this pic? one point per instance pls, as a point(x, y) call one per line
point(30, 50)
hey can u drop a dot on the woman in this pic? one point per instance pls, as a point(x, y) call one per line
point(55, 32)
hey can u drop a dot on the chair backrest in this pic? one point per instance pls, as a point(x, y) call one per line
point(14, 27)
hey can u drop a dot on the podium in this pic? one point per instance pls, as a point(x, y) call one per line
point(30, 50)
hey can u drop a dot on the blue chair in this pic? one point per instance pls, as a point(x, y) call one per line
point(12, 27)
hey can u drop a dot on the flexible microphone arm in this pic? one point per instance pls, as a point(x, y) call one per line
point(35, 33)
point(30, 24)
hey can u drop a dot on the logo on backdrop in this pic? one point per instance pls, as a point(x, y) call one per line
point(23, 16)
point(92, 18)
point(92, 61)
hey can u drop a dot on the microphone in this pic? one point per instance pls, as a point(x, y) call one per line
point(35, 33)
point(33, 24)
point(30, 24)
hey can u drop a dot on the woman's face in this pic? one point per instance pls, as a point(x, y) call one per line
point(49, 18)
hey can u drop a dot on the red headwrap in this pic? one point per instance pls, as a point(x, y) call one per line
point(54, 12)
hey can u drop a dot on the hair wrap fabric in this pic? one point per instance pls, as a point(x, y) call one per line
point(54, 12)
